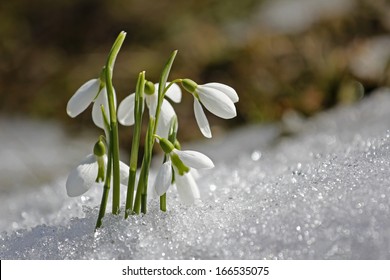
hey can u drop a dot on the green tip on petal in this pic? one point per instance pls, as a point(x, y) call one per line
point(101, 170)
point(180, 166)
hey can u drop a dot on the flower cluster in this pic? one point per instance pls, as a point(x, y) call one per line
point(104, 167)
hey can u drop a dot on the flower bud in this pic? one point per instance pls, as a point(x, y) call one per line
point(99, 149)
point(189, 85)
point(149, 88)
point(166, 145)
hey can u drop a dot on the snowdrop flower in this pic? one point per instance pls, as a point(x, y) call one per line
point(94, 92)
point(126, 107)
point(181, 161)
point(185, 183)
point(187, 188)
point(218, 98)
point(90, 171)
point(164, 178)
point(82, 177)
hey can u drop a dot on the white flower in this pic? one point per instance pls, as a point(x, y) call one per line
point(218, 98)
point(186, 185)
point(164, 178)
point(126, 108)
point(187, 188)
point(83, 177)
point(194, 159)
point(89, 93)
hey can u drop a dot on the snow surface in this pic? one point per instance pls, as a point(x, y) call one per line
point(322, 193)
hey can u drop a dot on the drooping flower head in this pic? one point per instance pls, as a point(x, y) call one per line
point(181, 161)
point(93, 91)
point(218, 99)
point(187, 188)
point(126, 107)
point(92, 170)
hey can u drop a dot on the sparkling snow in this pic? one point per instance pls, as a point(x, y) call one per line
point(321, 193)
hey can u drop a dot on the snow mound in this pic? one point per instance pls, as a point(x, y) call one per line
point(320, 194)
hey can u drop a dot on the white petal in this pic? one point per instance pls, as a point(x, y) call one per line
point(124, 173)
point(163, 178)
point(82, 98)
point(229, 91)
point(126, 110)
point(217, 102)
point(82, 177)
point(173, 93)
point(164, 122)
point(194, 173)
point(201, 119)
point(151, 102)
point(97, 116)
point(102, 99)
point(194, 159)
point(187, 188)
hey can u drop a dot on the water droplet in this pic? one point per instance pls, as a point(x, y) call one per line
point(256, 155)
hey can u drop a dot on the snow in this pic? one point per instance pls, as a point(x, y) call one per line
point(321, 193)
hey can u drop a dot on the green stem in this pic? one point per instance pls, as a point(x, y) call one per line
point(113, 121)
point(171, 83)
point(107, 182)
point(140, 203)
point(137, 201)
point(163, 198)
point(148, 153)
point(163, 202)
point(172, 139)
point(139, 95)
point(142, 189)
point(106, 190)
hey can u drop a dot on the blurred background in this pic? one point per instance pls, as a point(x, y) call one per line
point(280, 55)
point(284, 57)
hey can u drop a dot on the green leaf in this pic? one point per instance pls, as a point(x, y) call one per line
point(139, 95)
point(162, 86)
point(165, 73)
point(115, 50)
point(138, 104)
